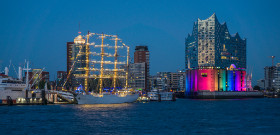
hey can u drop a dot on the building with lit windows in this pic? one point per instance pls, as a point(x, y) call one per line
point(211, 44)
point(272, 77)
point(142, 55)
point(61, 78)
point(169, 81)
point(137, 76)
point(261, 84)
point(74, 48)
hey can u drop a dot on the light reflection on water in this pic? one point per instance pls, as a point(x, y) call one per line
point(101, 113)
point(104, 106)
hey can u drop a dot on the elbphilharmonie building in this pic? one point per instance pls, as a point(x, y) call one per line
point(211, 44)
point(215, 62)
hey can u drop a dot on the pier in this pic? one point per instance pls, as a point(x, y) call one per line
point(42, 98)
point(225, 94)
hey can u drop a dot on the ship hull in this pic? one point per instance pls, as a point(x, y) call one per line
point(106, 99)
point(13, 94)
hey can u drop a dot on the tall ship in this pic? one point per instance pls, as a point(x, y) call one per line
point(100, 64)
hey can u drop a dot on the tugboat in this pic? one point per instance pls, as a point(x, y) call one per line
point(144, 98)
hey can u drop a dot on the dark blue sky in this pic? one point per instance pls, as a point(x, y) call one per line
point(39, 30)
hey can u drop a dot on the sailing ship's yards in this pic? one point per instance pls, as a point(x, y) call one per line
point(91, 70)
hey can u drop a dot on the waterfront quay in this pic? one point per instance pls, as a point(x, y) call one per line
point(56, 98)
point(41, 97)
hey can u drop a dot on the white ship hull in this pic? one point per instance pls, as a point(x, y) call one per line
point(11, 87)
point(13, 94)
point(106, 99)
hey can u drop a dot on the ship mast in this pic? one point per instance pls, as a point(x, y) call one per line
point(85, 50)
point(115, 62)
point(127, 64)
point(87, 64)
point(101, 64)
point(27, 74)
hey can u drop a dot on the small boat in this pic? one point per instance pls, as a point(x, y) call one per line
point(155, 95)
point(143, 98)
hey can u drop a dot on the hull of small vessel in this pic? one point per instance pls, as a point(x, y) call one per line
point(106, 99)
point(165, 96)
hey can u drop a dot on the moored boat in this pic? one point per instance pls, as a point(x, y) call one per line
point(155, 95)
point(11, 87)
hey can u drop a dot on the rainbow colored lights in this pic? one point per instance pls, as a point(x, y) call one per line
point(215, 79)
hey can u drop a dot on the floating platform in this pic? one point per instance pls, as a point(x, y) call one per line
point(225, 94)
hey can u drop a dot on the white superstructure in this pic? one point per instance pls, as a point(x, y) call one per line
point(11, 87)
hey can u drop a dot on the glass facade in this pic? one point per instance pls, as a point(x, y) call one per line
point(137, 76)
point(272, 77)
point(211, 44)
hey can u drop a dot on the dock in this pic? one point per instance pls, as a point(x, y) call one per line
point(225, 94)
point(43, 98)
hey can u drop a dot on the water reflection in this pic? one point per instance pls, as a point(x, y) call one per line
point(103, 115)
point(103, 106)
point(222, 99)
point(101, 110)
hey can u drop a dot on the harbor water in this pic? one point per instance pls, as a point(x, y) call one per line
point(184, 116)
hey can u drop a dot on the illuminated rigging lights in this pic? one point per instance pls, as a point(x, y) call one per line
point(101, 64)
point(90, 64)
point(115, 63)
point(87, 64)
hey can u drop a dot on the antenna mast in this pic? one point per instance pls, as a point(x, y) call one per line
point(272, 57)
point(79, 29)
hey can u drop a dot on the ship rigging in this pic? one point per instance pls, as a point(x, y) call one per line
point(93, 64)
